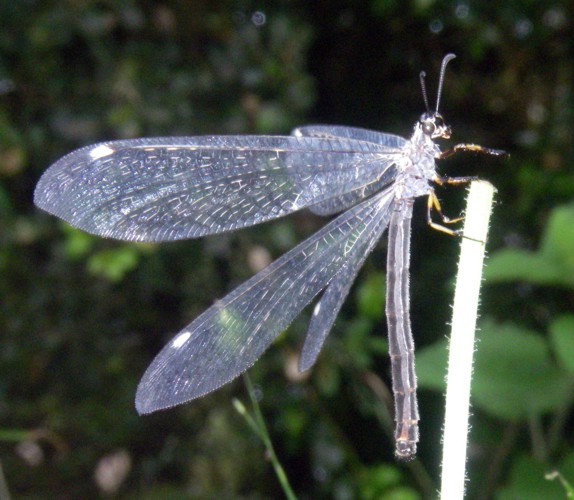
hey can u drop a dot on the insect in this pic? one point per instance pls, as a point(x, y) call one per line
point(171, 188)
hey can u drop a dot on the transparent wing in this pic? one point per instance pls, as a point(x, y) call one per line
point(342, 202)
point(229, 337)
point(391, 141)
point(329, 305)
point(174, 188)
point(359, 134)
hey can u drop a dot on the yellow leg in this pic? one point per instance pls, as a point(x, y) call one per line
point(434, 203)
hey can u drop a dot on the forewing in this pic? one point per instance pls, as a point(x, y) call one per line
point(229, 337)
point(393, 153)
point(174, 188)
point(329, 305)
point(337, 204)
point(355, 133)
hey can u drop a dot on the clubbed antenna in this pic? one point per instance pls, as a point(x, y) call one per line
point(422, 76)
point(424, 89)
point(445, 61)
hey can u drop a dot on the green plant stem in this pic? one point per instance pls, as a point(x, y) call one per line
point(257, 424)
point(479, 204)
point(551, 476)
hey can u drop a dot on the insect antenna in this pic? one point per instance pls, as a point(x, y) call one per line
point(424, 90)
point(445, 61)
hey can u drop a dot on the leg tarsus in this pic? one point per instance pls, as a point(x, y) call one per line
point(473, 148)
point(434, 203)
point(441, 181)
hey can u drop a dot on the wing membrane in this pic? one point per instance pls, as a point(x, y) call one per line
point(329, 305)
point(229, 337)
point(343, 202)
point(388, 170)
point(356, 133)
point(174, 188)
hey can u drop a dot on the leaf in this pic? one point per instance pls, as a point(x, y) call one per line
point(383, 481)
point(359, 343)
point(77, 243)
point(371, 296)
point(558, 238)
point(552, 264)
point(562, 338)
point(520, 265)
point(431, 366)
point(514, 375)
point(114, 263)
point(527, 481)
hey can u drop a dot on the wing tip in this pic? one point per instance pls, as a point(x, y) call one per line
point(147, 401)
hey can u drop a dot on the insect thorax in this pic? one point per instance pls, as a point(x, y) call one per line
point(418, 167)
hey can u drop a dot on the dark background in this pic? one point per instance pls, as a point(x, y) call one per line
point(82, 317)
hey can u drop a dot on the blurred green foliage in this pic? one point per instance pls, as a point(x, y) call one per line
point(82, 317)
point(552, 264)
point(514, 374)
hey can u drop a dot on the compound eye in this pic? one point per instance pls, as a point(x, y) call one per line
point(429, 128)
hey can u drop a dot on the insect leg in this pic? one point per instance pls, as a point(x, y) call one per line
point(474, 148)
point(434, 203)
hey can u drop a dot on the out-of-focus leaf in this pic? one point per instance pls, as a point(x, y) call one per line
point(520, 265)
point(371, 296)
point(296, 421)
point(78, 243)
point(384, 481)
point(14, 435)
point(562, 337)
point(362, 344)
point(527, 482)
point(558, 238)
point(114, 263)
point(431, 365)
point(514, 376)
point(553, 264)
point(328, 378)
